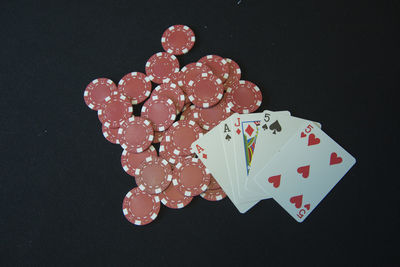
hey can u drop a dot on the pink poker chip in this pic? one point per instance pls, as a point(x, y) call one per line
point(173, 92)
point(116, 109)
point(131, 161)
point(244, 97)
point(218, 66)
point(191, 71)
point(206, 90)
point(161, 66)
point(136, 86)
point(135, 134)
point(178, 39)
point(160, 111)
point(97, 91)
point(181, 135)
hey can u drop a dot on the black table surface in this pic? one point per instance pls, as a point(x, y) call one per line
point(62, 185)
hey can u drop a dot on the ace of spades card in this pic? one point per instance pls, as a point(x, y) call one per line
point(304, 170)
point(209, 148)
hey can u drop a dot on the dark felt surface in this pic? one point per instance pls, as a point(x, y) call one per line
point(62, 184)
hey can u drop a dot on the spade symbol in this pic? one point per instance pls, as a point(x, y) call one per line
point(275, 127)
point(265, 127)
point(228, 137)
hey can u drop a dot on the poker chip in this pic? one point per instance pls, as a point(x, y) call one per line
point(173, 92)
point(136, 86)
point(158, 136)
point(161, 66)
point(218, 66)
point(160, 111)
point(97, 91)
point(181, 135)
point(191, 177)
point(176, 78)
point(208, 118)
point(234, 71)
point(191, 71)
point(206, 90)
point(190, 113)
point(172, 198)
point(115, 110)
point(111, 134)
point(135, 134)
point(153, 175)
point(140, 208)
point(214, 195)
point(167, 153)
point(213, 184)
point(131, 161)
point(243, 97)
point(178, 39)
point(202, 94)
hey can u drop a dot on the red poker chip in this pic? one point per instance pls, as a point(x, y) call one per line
point(161, 66)
point(136, 86)
point(172, 198)
point(135, 134)
point(213, 184)
point(218, 66)
point(173, 92)
point(97, 91)
point(191, 177)
point(178, 39)
point(208, 118)
point(140, 208)
point(153, 175)
point(191, 71)
point(111, 134)
point(160, 111)
point(158, 136)
point(244, 97)
point(234, 71)
point(176, 78)
point(166, 153)
point(206, 90)
point(213, 195)
point(190, 113)
point(115, 110)
point(181, 135)
point(131, 161)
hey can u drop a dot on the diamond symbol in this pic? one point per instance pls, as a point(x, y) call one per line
point(238, 131)
point(249, 130)
point(204, 156)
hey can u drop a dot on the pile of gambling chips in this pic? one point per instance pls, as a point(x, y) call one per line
point(184, 104)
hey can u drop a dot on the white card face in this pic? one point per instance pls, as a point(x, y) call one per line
point(209, 149)
point(305, 169)
point(245, 133)
point(275, 130)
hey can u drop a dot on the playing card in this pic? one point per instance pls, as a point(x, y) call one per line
point(209, 149)
point(305, 169)
point(276, 128)
point(244, 137)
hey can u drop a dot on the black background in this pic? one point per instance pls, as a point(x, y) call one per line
point(62, 185)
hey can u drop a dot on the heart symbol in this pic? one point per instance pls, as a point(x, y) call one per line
point(204, 156)
point(297, 201)
point(335, 159)
point(275, 180)
point(307, 206)
point(312, 140)
point(302, 135)
point(304, 171)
